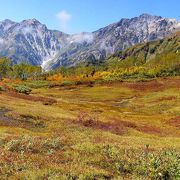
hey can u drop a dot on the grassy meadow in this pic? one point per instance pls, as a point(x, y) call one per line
point(115, 130)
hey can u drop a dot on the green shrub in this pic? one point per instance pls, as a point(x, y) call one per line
point(164, 164)
point(22, 89)
point(12, 145)
point(2, 88)
point(67, 83)
point(37, 84)
point(34, 145)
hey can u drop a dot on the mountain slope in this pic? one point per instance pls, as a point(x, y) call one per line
point(164, 52)
point(118, 36)
point(34, 43)
point(29, 41)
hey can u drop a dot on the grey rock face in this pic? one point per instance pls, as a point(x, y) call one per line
point(31, 42)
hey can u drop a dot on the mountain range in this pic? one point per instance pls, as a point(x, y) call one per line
point(32, 42)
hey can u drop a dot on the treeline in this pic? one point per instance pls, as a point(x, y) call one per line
point(115, 69)
point(22, 71)
point(110, 70)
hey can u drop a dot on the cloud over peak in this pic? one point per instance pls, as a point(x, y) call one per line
point(64, 18)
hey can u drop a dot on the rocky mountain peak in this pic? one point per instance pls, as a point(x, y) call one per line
point(34, 24)
point(7, 21)
point(33, 42)
point(5, 25)
point(31, 22)
point(147, 16)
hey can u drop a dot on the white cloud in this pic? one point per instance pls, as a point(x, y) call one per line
point(82, 37)
point(64, 18)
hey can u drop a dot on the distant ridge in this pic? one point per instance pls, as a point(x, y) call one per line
point(32, 42)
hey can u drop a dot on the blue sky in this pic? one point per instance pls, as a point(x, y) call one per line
point(74, 16)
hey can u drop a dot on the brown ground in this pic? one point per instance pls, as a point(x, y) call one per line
point(175, 122)
point(145, 86)
point(44, 100)
point(115, 126)
point(25, 122)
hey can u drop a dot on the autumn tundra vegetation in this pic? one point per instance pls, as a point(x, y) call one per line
point(116, 119)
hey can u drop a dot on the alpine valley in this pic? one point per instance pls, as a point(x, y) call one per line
point(102, 105)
